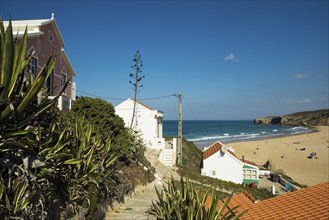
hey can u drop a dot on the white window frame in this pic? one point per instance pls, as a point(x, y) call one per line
point(253, 174)
point(63, 82)
point(250, 174)
point(33, 67)
point(50, 82)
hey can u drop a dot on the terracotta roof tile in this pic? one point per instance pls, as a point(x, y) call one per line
point(144, 105)
point(308, 203)
point(244, 200)
point(217, 146)
point(250, 163)
point(214, 148)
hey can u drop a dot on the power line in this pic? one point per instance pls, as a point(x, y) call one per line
point(102, 97)
point(160, 97)
point(120, 99)
point(190, 109)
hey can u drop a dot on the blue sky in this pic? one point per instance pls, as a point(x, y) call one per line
point(230, 59)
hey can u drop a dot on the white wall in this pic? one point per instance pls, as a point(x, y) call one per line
point(226, 166)
point(147, 122)
point(63, 102)
point(74, 91)
point(264, 172)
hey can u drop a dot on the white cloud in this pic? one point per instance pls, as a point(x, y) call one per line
point(323, 99)
point(305, 101)
point(301, 76)
point(287, 101)
point(294, 101)
point(231, 57)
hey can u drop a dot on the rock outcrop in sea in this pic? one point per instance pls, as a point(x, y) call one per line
point(308, 118)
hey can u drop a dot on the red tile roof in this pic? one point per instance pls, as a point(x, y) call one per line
point(250, 163)
point(143, 105)
point(243, 200)
point(308, 203)
point(217, 146)
point(214, 148)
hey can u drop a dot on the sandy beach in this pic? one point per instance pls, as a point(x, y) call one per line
point(286, 154)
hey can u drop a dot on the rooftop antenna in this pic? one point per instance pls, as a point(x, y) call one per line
point(224, 149)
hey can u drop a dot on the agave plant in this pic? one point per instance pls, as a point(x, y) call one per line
point(183, 201)
point(15, 95)
point(17, 109)
point(78, 159)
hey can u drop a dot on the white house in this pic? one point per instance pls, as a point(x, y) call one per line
point(220, 161)
point(147, 121)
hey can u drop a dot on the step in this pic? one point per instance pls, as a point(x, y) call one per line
point(132, 216)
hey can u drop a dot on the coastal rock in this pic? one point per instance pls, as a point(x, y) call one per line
point(309, 118)
point(268, 120)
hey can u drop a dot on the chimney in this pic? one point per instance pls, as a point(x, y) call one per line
point(242, 158)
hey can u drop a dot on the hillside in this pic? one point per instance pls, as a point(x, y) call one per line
point(307, 118)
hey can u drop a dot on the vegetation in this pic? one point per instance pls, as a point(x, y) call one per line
point(101, 115)
point(132, 166)
point(19, 162)
point(52, 164)
point(183, 201)
point(192, 159)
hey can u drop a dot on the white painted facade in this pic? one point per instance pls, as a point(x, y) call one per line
point(223, 166)
point(147, 121)
point(221, 162)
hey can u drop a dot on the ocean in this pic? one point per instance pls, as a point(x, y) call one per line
point(204, 133)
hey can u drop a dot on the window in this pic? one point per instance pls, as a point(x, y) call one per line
point(253, 174)
point(50, 38)
point(65, 104)
point(249, 174)
point(32, 67)
point(213, 173)
point(63, 81)
point(246, 174)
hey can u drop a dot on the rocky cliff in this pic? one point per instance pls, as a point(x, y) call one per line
point(309, 118)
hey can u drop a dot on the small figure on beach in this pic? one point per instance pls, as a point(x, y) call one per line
point(312, 155)
point(267, 165)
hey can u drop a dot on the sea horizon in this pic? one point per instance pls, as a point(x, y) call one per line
point(203, 133)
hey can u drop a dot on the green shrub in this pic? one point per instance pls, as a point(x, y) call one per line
point(20, 192)
point(183, 201)
point(101, 115)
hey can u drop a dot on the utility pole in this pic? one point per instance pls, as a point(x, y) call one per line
point(179, 154)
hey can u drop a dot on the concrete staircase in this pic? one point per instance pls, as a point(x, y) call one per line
point(167, 157)
point(135, 207)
